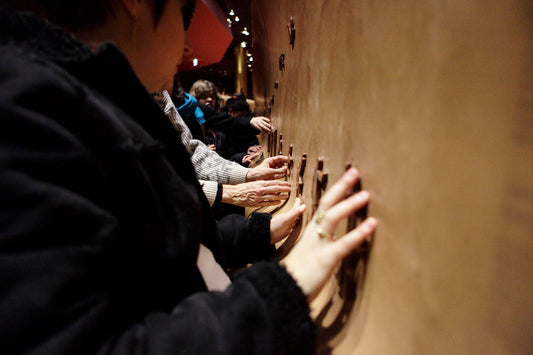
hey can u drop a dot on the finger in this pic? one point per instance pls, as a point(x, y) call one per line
point(279, 173)
point(343, 209)
point(264, 203)
point(345, 245)
point(338, 191)
point(274, 183)
point(275, 197)
point(277, 160)
point(271, 190)
point(298, 208)
point(272, 174)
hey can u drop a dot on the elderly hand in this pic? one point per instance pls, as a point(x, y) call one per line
point(282, 224)
point(270, 169)
point(261, 123)
point(314, 258)
point(256, 193)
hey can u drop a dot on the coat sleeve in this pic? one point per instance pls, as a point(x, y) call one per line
point(262, 312)
point(223, 122)
point(245, 240)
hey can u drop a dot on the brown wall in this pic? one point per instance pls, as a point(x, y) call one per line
point(432, 101)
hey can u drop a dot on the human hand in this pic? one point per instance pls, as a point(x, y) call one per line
point(314, 258)
point(261, 123)
point(270, 169)
point(253, 149)
point(212, 147)
point(282, 224)
point(256, 193)
point(248, 158)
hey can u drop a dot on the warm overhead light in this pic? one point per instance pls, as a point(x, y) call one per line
point(243, 44)
point(195, 62)
point(245, 32)
point(237, 19)
point(248, 54)
point(249, 65)
point(251, 59)
point(231, 12)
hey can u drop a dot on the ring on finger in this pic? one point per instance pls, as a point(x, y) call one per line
point(319, 216)
point(323, 235)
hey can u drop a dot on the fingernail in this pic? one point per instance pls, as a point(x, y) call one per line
point(363, 195)
point(371, 223)
point(351, 173)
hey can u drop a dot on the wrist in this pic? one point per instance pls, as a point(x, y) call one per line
point(250, 175)
point(227, 194)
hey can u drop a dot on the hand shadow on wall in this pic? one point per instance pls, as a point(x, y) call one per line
point(350, 280)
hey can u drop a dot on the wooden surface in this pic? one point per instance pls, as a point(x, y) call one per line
point(432, 101)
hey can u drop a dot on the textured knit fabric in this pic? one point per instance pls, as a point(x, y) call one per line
point(207, 163)
point(102, 216)
point(211, 190)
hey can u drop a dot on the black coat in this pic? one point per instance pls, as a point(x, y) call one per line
point(231, 135)
point(101, 217)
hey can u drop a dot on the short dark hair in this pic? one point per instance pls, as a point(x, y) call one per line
point(79, 14)
point(239, 105)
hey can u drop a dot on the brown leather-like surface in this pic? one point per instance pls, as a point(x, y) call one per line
point(432, 101)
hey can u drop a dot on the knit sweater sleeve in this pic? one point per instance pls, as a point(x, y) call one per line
point(207, 163)
point(210, 189)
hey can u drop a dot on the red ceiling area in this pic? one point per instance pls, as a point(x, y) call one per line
point(209, 35)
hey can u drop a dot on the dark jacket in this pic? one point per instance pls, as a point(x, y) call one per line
point(231, 135)
point(101, 217)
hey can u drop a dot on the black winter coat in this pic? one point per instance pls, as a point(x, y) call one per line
point(101, 217)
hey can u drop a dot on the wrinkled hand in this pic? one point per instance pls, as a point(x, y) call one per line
point(270, 169)
point(261, 123)
point(282, 224)
point(256, 193)
point(314, 258)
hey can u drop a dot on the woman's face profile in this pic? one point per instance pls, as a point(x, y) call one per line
point(161, 45)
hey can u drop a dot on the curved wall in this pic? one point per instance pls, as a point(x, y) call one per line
point(432, 101)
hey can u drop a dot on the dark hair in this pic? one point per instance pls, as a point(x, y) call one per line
point(239, 105)
point(79, 14)
point(239, 96)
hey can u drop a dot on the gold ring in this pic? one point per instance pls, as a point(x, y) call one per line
point(323, 235)
point(319, 216)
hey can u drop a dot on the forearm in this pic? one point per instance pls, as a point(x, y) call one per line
point(211, 166)
point(245, 240)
